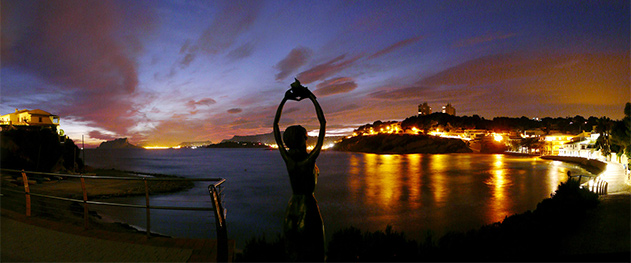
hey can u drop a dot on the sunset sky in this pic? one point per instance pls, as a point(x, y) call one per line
point(165, 72)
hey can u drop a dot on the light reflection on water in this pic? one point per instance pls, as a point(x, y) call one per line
point(413, 192)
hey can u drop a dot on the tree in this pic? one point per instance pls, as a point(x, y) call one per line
point(621, 133)
point(603, 143)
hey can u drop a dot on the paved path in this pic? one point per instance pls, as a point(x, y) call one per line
point(618, 181)
point(38, 240)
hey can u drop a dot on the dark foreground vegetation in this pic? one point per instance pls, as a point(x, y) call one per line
point(531, 236)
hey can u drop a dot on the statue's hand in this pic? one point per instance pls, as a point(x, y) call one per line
point(297, 92)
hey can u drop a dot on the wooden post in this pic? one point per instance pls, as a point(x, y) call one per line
point(148, 210)
point(27, 193)
point(85, 204)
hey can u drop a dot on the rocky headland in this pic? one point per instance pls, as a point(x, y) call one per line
point(120, 143)
point(402, 143)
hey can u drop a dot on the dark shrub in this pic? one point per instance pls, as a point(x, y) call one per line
point(259, 250)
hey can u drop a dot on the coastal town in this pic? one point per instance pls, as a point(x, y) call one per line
point(571, 136)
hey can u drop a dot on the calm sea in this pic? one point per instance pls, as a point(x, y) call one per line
point(414, 193)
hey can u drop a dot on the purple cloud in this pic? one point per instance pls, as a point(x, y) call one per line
point(86, 48)
point(235, 17)
point(243, 51)
point(395, 46)
point(335, 86)
point(294, 60)
point(326, 69)
point(488, 37)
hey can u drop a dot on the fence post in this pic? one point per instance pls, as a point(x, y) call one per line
point(27, 193)
point(148, 212)
point(85, 204)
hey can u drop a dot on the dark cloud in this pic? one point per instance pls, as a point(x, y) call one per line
point(326, 69)
point(335, 86)
point(395, 46)
point(235, 110)
point(87, 47)
point(294, 60)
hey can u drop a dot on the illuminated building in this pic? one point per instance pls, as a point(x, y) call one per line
point(448, 109)
point(35, 117)
point(424, 109)
point(554, 142)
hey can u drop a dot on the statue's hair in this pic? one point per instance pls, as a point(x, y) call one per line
point(295, 136)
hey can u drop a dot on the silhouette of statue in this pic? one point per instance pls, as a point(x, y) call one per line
point(302, 227)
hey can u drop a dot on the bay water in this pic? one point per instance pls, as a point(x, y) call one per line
point(414, 193)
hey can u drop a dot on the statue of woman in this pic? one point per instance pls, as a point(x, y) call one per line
point(302, 227)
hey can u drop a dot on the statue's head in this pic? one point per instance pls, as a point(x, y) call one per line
point(295, 137)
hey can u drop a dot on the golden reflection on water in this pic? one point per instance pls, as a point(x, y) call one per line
point(499, 183)
point(414, 180)
point(439, 163)
point(443, 191)
point(383, 178)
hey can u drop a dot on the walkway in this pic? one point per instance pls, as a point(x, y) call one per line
point(618, 181)
point(39, 240)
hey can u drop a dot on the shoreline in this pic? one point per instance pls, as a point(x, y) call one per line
point(593, 166)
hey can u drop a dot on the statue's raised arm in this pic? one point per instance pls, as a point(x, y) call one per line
point(298, 93)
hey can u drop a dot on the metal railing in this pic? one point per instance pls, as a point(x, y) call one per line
point(215, 189)
point(594, 184)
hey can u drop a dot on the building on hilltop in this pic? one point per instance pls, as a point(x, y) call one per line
point(448, 109)
point(25, 117)
point(424, 109)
